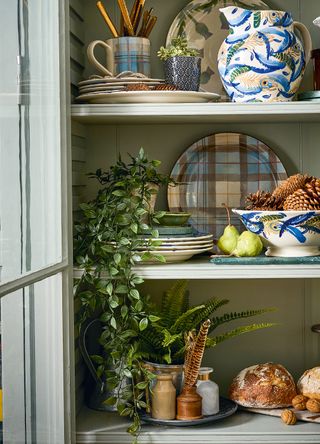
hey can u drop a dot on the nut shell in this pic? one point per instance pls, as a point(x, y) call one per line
point(299, 402)
point(288, 417)
point(313, 405)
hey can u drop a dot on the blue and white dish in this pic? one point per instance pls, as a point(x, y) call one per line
point(285, 233)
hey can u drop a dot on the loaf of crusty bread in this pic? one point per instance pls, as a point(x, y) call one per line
point(309, 383)
point(263, 386)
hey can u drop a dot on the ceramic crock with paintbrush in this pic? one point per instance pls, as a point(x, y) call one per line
point(129, 49)
point(263, 59)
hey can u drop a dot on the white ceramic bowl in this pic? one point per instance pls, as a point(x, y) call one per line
point(285, 233)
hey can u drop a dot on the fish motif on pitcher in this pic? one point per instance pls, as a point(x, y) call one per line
point(263, 59)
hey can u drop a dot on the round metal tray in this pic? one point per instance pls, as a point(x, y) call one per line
point(227, 408)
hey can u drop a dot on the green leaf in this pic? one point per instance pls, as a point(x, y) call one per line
point(155, 233)
point(97, 359)
point(156, 163)
point(109, 288)
point(113, 322)
point(121, 289)
point(137, 280)
point(153, 318)
point(113, 301)
point(134, 293)
point(134, 228)
point(110, 401)
point(117, 258)
point(143, 324)
point(113, 271)
point(139, 306)
point(124, 311)
point(142, 385)
point(124, 241)
point(119, 193)
point(127, 373)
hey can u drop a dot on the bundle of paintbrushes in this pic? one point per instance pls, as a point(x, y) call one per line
point(136, 23)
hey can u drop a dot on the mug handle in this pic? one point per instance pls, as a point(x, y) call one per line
point(94, 61)
point(306, 37)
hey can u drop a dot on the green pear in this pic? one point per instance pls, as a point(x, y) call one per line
point(228, 241)
point(249, 244)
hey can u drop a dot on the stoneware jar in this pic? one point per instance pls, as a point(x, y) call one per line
point(183, 72)
point(263, 58)
point(163, 398)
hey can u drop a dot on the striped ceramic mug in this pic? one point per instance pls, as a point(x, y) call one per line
point(122, 54)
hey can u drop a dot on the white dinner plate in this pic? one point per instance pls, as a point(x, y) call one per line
point(95, 81)
point(172, 256)
point(184, 238)
point(178, 247)
point(149, 97)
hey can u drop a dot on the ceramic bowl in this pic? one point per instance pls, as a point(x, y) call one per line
point(285, 233)
point(174, 219)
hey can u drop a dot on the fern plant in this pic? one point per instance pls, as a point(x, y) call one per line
point(163, 341)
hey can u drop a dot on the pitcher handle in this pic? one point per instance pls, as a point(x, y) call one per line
point(306, 37)
point(83, 349)
point(94, 61)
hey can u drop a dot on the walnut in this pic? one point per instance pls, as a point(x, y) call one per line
point(299, 402)
point(313, 405)
point(288, 417)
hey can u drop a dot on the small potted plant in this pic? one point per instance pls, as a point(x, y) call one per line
point(182, 65)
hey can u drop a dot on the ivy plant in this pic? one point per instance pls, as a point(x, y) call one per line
point(106, 242)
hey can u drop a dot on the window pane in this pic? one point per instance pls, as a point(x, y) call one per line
point(30, 182)
point(32, 364)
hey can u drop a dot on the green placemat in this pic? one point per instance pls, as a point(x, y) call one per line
point(264, 260)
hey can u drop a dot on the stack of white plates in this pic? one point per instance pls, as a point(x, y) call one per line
point(106, 85)
point(179, 248)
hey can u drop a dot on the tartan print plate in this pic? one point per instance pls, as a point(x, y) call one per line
point(222, 168)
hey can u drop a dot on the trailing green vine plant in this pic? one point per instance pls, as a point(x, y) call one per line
point(106, 242)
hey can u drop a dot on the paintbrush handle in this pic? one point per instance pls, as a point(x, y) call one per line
point(107, 19)
point(150, 26)
point(126, 17)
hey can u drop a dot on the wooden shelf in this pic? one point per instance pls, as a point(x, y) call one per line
point(196, 112)
point(201, 268)
point(241, 428)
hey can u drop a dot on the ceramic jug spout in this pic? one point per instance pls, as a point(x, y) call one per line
point(230, 11)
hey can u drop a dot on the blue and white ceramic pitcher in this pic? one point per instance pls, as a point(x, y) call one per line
point(263, 59)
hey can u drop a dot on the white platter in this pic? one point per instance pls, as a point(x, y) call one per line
point(183, 238)
point(149, 97)
point(172, 256)
point(119, 79)
point(177, 247)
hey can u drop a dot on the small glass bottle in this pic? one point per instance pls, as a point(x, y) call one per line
point(163, 398)
point(209, 392)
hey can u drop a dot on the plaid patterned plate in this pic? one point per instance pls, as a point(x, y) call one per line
point(222, 168)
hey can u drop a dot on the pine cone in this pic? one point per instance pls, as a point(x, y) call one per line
point(264, 201)
point(165, 87)
point(195, 354)
point(292, 184)
point(304, 199)
point(137, 87)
